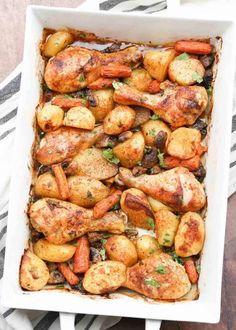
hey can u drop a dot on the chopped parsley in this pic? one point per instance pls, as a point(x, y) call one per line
point(196, 76)
point(116, 206)
point(166, 238)
point(152, 282)
point(104, 241)
point(209, 91)
point(102, 253)
point(161, 269)
point(152, 132)
point(66, 96)
point(81, 78)
point(83, 101)
point(177, 258)
point(160, 157)
point(116, 84)
point(151, 251)
point(150, 223)
point(139, 163)
point(183, 57)
point(108, 155)
point(154, 117)
point(58, 286)
point(198, 268)
point(110, 145)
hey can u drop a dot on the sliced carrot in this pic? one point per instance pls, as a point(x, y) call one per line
point(200, 150)
point(71, 278)
point(106, 204)
point(191, 164)
point(112, 71)
point(101, 83)
point(67, 102)
point(191, 271)
point(61, 181)
point(193, 47)
point(81, 256)
point(154, 87)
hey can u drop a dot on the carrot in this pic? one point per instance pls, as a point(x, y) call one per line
point(81, 256)
point(191, 271)
point(154, 87)
point(191, 164)
point(112, 71)
point(65, 101)
point(106, 204)
point(71, 278)
point(101, 83)
point(61, 181)
point(201, 150)
point(193, 47)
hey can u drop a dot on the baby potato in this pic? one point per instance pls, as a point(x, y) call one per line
point(120, 248)
point(86, 191)
point(156, 62)
point(157, 205)
point(34, 273)
point(150, 130)
point(147, 245)
point(166, 225)
point(186, 72)
point(142, 115)
point(104, 103)
point(183, 142)
point(46, 186)
point(119, 120)
point(190, 235)
point(52, 252)
point(79, 117)
point(104, 277)
point(131, 151)
point(57, 42)
point(50, 117)
point(135, 204)
point(139, 79)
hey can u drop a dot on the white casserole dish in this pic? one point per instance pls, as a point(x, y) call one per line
point(139, 28)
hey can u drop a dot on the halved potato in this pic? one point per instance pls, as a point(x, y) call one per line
point(104, 277)
point(142, 115)
point(34, 273)
point(104, 103)
point(151, 129)
point(79, 117)
point(140, 79)
point(57, 42)
point(166, 225)
point(156, 62)
point(50, 117)
point(131, 151)
point(186, 72)
point(46, 186)
point(190, 235)
point(119, 120)
point(146, 246)
point(53, 253)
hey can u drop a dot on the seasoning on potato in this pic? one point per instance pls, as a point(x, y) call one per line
point(166, 227)
point(146, 246)
point(119, 120)
point(79, 117)
point(50, 117)
point(57, 42)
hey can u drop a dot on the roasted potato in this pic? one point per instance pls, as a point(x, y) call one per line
point(142, 115)
point(166, 225)
point(86, 191)
point(140, 79)
point(190, 235)
point(119, 120)
point(53, 253)
point(57, 42)
point(34, 273)
point(147, 245)
point(87, 161)
point(135, 204)
point(156, 62)
point(151, 129)
point(50, 117)
point(104, 277)
point(46, 186)
point(183, 142)
point(186, 72)
point(131, 151)
point(103, 99)
point(79, 117)
point(120, 248)
point(157, 205)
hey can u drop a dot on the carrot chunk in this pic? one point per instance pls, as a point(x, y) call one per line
point(81, 256)
point(61, 181)
point(154, 87)
point(201, 150)
point(101, 83)
point(112, 71)
point(191, 164)
point(106, 204)
point(191, 271)
point(71, 278)
point(193, 47)
point(65, 101)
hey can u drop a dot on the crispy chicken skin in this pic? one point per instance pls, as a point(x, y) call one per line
point(75, 67)
point(177, 105)
point(144, 278)
point(177, 188)
point(62, 222)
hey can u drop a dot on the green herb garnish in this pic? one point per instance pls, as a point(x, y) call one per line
point(152, 282)
point(135, 129)
point(58, 286)
point(108, 155)
point(139, 163)
point(209, 91)
point(102, 253)
point(104, 241)
point(150, 223)
point(160, 157)
point(116, 206)
point(152, 132)
point(198, 268)
point(110, 145)
point(196, 76)
point(116, 84)
point(183, 57)
point(151, 251)
point(161, 269)
point(177, 258)
point(66, 96)
point(155, 117)
point(81, 78)
point(84, 101)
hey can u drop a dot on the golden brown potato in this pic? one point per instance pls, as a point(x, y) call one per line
point(147, 245)
point(150, 130)
point(79, 117)
point(120, 248)
point(186, 72)
point(34, 273)
point(90, 162)
point(157, 205)
point(86, 191)
point(142, 115)
point(183, 142)
point(190, 235)
point(135, 204)
point(156, 62)
point(119, 120)
point(104, 103)
point(104, 277)
point(57, 42)
point(140, 79)
point(50, 117)
point(53, 253)
point(46, 186)
point(166, 225)
point(130, 152)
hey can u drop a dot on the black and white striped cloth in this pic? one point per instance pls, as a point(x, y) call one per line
point(9, 94)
